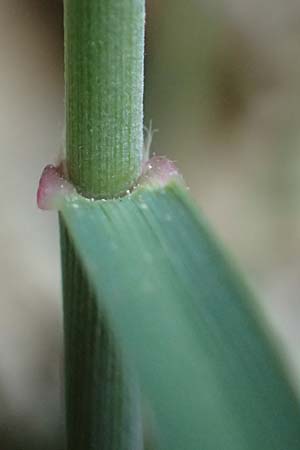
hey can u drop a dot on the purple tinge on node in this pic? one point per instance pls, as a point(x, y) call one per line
point(159, 171)
point(53, 187)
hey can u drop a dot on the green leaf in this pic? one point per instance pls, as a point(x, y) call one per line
point(185, 323)
point(102, 401)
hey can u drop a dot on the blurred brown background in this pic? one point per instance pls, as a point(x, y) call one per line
point(222, 87)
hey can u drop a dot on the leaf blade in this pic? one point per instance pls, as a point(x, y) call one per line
point(185, 321)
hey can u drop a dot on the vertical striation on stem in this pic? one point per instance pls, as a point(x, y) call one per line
point(104, 51)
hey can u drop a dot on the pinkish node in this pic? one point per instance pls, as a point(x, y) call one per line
point(52, 187)
point(159, 171)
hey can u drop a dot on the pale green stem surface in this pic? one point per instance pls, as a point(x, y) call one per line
point(104, 50)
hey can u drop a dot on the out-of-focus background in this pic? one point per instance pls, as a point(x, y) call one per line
point(222, 87)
